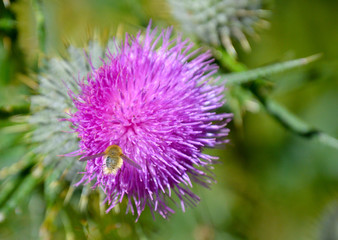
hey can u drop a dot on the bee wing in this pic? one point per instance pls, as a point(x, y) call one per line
point(91, 157)
point(131, 162)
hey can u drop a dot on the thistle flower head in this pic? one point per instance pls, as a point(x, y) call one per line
point(216, 22)
point(156, 106)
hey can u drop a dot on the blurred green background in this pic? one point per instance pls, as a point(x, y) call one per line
point(271, 184)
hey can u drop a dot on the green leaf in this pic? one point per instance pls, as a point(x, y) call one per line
point(251, 75)
point(23, 190)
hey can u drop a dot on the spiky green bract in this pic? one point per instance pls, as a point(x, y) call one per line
point(218, 22)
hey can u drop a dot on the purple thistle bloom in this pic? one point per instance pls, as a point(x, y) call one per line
point(158, 108)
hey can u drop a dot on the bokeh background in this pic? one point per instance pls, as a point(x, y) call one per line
point(272, 184)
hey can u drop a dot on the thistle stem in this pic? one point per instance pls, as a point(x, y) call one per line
point(293, 123)
point(273, 108)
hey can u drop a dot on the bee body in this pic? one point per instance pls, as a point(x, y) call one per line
point(112, 163)
point(113, 159)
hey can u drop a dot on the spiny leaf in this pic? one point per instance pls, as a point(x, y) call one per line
point(250, 75)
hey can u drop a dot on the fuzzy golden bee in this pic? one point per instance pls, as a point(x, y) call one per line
point(113, 159)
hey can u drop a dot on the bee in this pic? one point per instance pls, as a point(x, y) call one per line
point(113, 159)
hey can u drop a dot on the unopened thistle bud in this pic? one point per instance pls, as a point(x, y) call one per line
point(217, 22)
point(52, 104)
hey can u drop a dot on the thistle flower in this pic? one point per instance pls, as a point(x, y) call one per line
point(157, 107)
point(216, 22)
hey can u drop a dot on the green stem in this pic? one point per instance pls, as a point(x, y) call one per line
point(293, 123)
point(280, 113)
point(228, 62)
